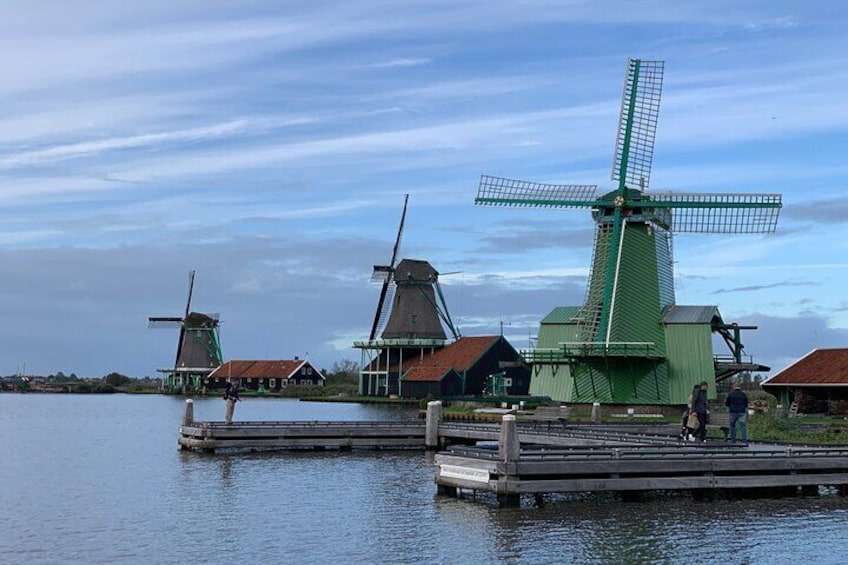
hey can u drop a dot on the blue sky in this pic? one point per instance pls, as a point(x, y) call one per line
point(268, 145)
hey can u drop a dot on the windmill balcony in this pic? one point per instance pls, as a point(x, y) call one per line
point(570, 351)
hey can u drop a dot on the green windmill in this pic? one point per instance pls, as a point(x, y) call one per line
point(629, 342)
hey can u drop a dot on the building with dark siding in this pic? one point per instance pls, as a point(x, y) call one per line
point(463, 368)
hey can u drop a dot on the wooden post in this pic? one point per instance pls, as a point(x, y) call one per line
point(509, 449)
point(188, 419)
point(508, 446)
point(596, 412)
point(434, 418)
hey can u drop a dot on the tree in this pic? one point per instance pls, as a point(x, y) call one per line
point(343, 372)
point(116, 379)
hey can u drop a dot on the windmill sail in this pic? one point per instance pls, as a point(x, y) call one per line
point(385, 274)
point(637, 125)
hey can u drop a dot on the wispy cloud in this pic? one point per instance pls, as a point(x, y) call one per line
point(409, 62)
point(758, 287)
point(780, 23)
point(88, 148)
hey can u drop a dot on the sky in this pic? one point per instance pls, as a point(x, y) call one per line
point(268, 146)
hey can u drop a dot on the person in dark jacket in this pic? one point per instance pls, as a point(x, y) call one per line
point(701, 407)
point(231, 396)
point(737, 408)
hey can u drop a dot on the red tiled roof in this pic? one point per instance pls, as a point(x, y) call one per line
point(261, 369)
point(460, 355)
point(821, 367)
point(426, 374)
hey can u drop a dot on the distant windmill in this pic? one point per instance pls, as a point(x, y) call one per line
point(408, 321)
point(619, 331)
point(198, 346)
point(411, 293)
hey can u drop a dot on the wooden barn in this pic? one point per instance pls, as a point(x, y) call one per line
point(464, 368)
point(438, 382)
point(817, 382)
point(270, 376)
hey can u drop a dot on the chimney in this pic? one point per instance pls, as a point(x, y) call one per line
point(296, 358)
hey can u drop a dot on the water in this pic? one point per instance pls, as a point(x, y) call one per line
point(99, 479)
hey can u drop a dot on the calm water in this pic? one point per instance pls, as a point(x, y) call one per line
point(99, 479)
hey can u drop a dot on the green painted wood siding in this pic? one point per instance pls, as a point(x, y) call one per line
point(637, 316)
point(690, 359)
point(554, 381)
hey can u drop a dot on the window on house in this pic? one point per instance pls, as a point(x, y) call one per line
point(284, 383)
point(250, 380)
point(272, 383)
point(303, 371)
point(309, 370)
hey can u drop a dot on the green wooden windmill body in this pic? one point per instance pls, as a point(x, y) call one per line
point(618, 346)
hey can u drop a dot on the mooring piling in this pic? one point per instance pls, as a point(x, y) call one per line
point(188, 418)
point(434, 418)
point(596, 412)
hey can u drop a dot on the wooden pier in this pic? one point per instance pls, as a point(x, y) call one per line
point(510, 471)
point(433, 433)
point(527, 461)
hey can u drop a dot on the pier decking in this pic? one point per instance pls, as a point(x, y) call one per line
point(216, 436)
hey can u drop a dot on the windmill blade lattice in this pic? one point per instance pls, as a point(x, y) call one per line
point(385, 274)
point(637, 127)
point(497, 191)
point(719, 213)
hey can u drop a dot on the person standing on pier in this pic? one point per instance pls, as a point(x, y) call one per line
point(231, 396)
point(701, 407)
point(689, 427)
point(737, 408)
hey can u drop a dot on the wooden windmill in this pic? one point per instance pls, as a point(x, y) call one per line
point(616, 347)
point(411, 304)
point(198, 345)
point(410, 318)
